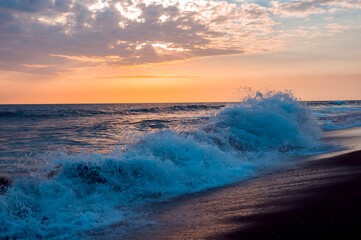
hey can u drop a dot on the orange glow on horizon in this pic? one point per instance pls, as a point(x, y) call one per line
point(209, 79)
point(178, 51)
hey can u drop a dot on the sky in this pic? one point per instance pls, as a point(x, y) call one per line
point(133, 51)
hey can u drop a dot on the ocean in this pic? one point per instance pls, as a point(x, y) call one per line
point(79, 168)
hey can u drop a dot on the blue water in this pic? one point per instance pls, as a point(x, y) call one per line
point(79, 168)
point(29, 130)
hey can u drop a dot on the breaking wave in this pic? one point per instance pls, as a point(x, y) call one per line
point(74, 194)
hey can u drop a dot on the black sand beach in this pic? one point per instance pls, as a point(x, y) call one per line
point(321, 211)
point(318, 199)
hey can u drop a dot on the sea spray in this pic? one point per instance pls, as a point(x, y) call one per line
point(77, 193)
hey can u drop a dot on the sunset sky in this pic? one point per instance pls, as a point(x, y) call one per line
point(115, 51)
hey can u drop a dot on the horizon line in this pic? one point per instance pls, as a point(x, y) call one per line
point(346, 100)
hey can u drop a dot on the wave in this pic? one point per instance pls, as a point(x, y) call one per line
point(333, 118)
point(73, 194)
point(338, 102)
point(144, 110)
point(48, 113)
point(336, 126)
point(152, 124)
point(176, 108)
point(31, 112)
point(194, 107)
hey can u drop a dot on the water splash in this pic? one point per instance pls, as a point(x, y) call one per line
point(73, 194)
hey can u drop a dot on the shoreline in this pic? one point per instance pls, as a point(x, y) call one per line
point(317, 199)
point(324, 211)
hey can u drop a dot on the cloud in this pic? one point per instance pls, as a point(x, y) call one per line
point(64, 33)
point(146, 77)
point(296, 9)
point(303, 8)
point(49, 36)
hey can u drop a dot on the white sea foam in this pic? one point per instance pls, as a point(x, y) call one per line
point(331, 117)
point(76, 193)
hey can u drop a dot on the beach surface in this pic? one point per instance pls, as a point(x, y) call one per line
point(317, 199)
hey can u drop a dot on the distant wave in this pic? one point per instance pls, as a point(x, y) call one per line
point(338, 102)
point(72, 194)
point(333, 117)
point(71, 112)
point(192, 107)
point(143, 110)
point(334, 126)
point(49, 113)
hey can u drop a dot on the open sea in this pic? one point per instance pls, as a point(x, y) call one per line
point(78, 168)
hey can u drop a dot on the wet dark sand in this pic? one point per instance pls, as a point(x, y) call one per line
point(318, 199)
point(330, 211)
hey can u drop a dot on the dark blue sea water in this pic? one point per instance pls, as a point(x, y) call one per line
point(79, 168)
